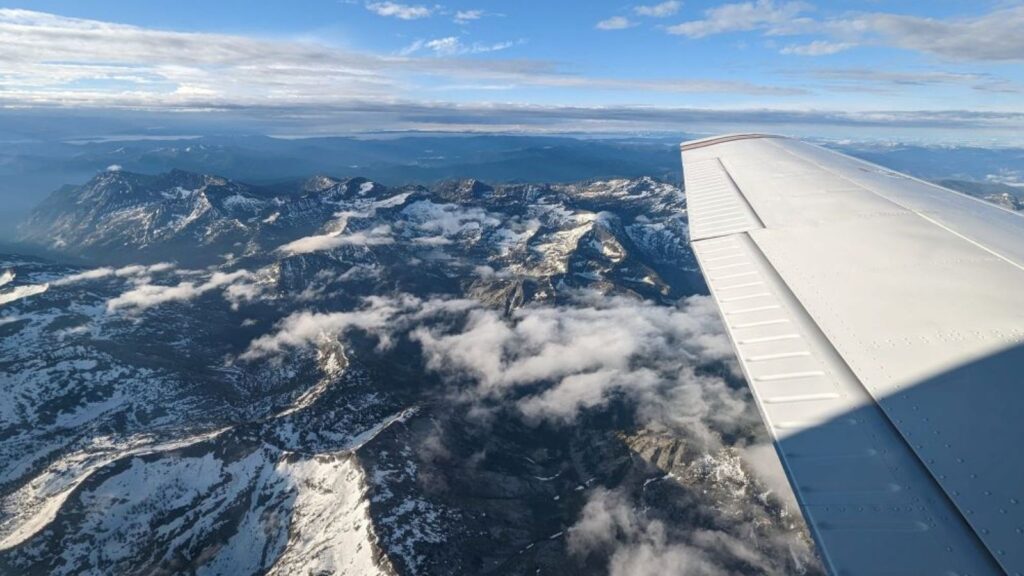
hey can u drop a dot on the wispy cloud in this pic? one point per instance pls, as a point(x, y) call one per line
point(816, 48)
point(400, 11)
point(453, 46)
point(133, 271)
point(662, 10)
point(58, 61)
point(19, 292)
point(614, 23)
point(767, 15)
point(466, 16)
point(864, 79)
point(146, 296)
point(995, 36)
point(377, 236)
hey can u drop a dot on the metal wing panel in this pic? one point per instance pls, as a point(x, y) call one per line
point(871, 505)
point(918, 307)
point(723, 209)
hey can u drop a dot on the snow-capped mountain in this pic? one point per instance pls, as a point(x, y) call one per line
point(332, 376)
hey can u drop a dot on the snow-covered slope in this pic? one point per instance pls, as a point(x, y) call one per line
point(337, 377)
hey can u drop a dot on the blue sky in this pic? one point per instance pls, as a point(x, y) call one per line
point(935, 64)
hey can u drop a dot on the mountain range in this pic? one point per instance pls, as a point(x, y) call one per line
point(334, 376)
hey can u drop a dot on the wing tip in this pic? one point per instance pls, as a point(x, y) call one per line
point(722, 138)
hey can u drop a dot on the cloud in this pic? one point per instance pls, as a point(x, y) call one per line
point(146, 296)
point(816, 48)
point(453, 46)
point(860, 79)
point(767, 15)
point(52, 60)
point(614, 23)
point(380, 316)
point(377, 236)
point(447, 220)
point(136, 271)
point(662, 10)
point(639, 545)
point(19, 292)
point(7, 277)
point(553, 362)
point(995, 36)
point(400, 11)
point(583, 353)
point(466, 16)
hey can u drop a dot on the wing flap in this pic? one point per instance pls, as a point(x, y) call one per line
point(814, 309)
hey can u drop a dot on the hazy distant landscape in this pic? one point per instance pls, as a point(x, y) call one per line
point(31, 170)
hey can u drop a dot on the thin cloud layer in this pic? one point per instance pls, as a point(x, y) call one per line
point(816, 48)
point(146, 296)
point(614, 23)
point(376, 236)
point(57, 60)
point(662, 10)
point(767, 15)
point(136, 271)
point(400, 11)
point(995, 36)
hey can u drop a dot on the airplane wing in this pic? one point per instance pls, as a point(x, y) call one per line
point(878, 320)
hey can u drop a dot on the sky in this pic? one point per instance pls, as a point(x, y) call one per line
point(522, 65)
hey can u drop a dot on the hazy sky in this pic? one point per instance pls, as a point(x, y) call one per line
point(503, 64)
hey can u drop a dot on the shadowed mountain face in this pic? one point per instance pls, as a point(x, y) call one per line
point(339, 377)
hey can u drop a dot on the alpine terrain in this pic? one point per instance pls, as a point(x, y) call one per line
point(333, 376)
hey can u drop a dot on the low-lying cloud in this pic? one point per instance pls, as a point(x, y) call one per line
point(132, 271)
point(553, 362)
point(376, 236)
point(638, 542)
point(145, 296)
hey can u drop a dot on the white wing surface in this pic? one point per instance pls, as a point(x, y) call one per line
point(879, 321)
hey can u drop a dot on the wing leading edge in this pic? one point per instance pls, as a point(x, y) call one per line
point(876, 319)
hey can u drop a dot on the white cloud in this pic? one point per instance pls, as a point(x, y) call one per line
point(377, 236)
point(114, 168)
point(447, 220)
point(587, 351)
point(614, 23)
point(68, 62)
point(7, 277)
point(135, 271)
point(453, 46)
point(465, 16)
point(400, 11)
point(662, 10)
point(146, 296)
point(609, 524)
point(719, 535)
point(380, 316)
point(19, 292)
point(570, 358)
point(816, 48)
point(995, 36)
point(767, 15)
